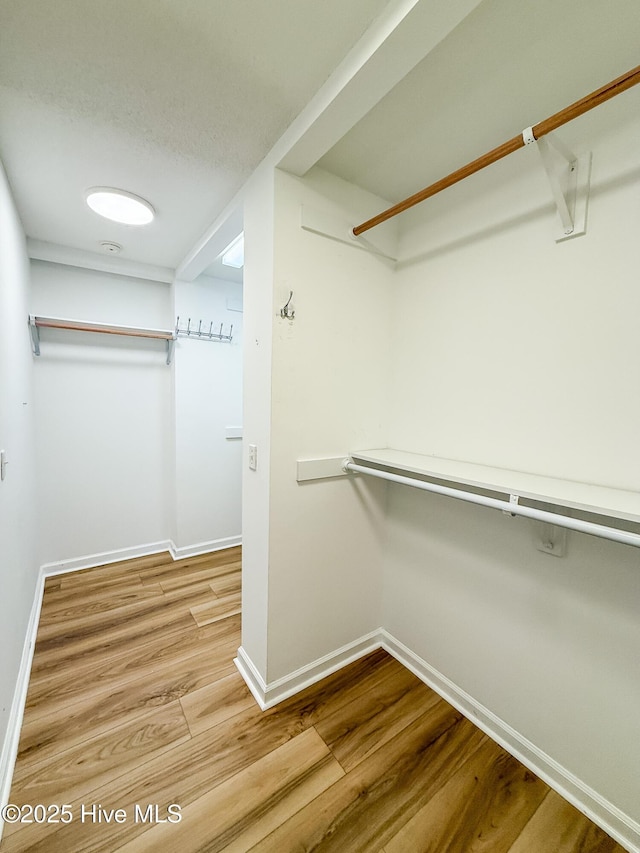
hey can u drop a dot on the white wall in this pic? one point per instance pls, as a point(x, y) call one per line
point(330, 374)
point(103, 416)
point(18, 495)
point(256, 406)
point(208, 399)
point(315, 386)
point(513, 351)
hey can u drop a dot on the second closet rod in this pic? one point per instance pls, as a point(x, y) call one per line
point(620, 84)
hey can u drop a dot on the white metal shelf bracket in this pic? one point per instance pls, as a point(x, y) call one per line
point(35, 335)
point(569, 177)
point(318, 222)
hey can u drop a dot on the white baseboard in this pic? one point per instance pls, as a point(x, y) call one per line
point(252, 678)
point(268, 695)
point(12, 735)
point(618, 825)
point(203, 547)
point(103, 558)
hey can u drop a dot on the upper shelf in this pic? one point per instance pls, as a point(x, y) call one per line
point(614, 503)
point(36, 323)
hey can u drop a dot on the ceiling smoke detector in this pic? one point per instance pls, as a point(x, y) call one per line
point(110, 248)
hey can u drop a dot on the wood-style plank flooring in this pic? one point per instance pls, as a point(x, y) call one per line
point(134, 701)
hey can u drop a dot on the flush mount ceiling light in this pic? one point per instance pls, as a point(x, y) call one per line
point(233, 255)
point(120, 206)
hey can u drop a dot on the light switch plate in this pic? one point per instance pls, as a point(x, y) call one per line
point(253, 456)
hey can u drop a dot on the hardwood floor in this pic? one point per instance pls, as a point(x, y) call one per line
point(134, 701)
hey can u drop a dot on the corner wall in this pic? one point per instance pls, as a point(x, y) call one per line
point(208, 399)
point(330, 373)
point(256, 405)
point(18, 495)
point(315, 386)
point(103, 418)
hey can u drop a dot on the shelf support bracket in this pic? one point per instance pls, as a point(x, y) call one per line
point(318, 222)
point(171, 342)
point(513, 500)
point(569, 178)
point(35, 335)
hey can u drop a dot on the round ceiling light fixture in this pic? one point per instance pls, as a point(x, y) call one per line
point(119, 206)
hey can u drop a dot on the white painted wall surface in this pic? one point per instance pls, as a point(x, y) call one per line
point(256, 406)
point(208, 399)
point(103, 416)
point(330, 374)
point(18, 495)
point(513, 351)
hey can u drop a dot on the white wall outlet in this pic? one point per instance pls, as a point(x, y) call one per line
point(253, 456)
point(3, 464)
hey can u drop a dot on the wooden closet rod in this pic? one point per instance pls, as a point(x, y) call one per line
point(620, 84)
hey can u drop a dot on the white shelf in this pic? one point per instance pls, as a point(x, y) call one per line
point(36, 323)
point(613, 503)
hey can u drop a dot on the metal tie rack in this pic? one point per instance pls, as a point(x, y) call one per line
point(202, 334)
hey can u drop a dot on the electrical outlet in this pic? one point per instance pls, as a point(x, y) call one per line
point(253, 456)
point(3, 464)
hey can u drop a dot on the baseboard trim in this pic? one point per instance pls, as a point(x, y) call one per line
point(252, 677)
point(618, 825)
point(203, 547)
point(104, 558)
point(268, 695)
point(12, 735)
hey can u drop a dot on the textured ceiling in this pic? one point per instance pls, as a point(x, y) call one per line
point(175, 100)
point(179, 100)
point(508, 65)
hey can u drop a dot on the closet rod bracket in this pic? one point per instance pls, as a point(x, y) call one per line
point(35, 335)
point(569, 178)
point(513, 501)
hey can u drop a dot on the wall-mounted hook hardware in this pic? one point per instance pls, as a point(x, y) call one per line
point(202, 334)
point(285, 312)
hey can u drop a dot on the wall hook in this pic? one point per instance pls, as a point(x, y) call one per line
point(285, 313)
point(201, 333)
